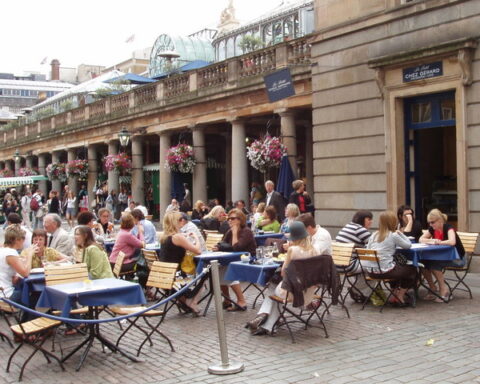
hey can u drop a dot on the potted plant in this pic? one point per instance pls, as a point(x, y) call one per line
point(266, 153)
point(77, 168)
point(6, 173)
point(56, 171)
point(180, 158)
point(120, 163)
point(27, 171)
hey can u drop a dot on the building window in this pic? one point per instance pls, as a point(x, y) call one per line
point(421, 112)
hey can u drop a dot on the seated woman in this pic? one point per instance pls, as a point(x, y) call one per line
point(239, 238)
point(440, 233)
point(300, 197)
point(385, 241)
point(215, 220)
point(12, 264)
point(259, 211)
point(300, 247)
point(174, 245)
point(407, 222)
point(92, 255)
point(199, 210)
point(291, 212)
point(127, 243)
point(268, 222)
point(42, 253)
point(103, 227)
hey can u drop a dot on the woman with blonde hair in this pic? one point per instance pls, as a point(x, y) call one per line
point(174, 246)
point(215, 220)
point(385, 241)
point(440, 233)
point(291, 213)
point(199, 210)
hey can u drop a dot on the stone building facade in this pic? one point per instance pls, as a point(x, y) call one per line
point(396, 92)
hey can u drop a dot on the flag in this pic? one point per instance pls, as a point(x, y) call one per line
point(44, 61)
point(130, 39)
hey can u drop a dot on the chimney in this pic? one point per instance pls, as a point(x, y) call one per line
point(55, 70)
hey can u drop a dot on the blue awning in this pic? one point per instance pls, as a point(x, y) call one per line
point(130, 78)
point(193, 65)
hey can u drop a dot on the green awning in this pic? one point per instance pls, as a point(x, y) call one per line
point(22, 180)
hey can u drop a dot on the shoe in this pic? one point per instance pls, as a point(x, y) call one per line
point(443, 299)
point(226, 304)
point(260, 332)
point(236, 307)
point(430, 296)
point(257, 322)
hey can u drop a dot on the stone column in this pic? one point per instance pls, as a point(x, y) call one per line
point(289, 138)
point(199, 187)
point(165, 176)
point(112, 175)
point(18, 164)
point(138, 193)
point(92, 173)
point(309, 160)
point(56, 184)
point(239, 162)
point(42, 163)
point(72, 181)
point(29, 162)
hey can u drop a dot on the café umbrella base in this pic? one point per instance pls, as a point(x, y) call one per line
point(230, 368)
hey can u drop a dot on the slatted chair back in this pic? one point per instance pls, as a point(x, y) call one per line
point(213, 238)
point(469, 240)
point(63, 274)
point(367, 255)
point(342, 253)
point(150, 257)
point(162, 275)
point(118, 264)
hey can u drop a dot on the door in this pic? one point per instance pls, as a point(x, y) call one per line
point(431, 159)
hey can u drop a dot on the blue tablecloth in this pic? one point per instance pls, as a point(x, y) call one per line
point(109, 246)
point(33, 283)
point(224, 258)
point(253, 273)
point(431, 252)
point(102, 292)
point(260, 239)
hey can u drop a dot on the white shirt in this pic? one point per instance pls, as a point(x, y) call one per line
point(6, 271)
point(25, 202)
point(143, 209)
point(322, 241)
point(269, 196)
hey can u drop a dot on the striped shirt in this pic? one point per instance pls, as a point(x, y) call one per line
point(353, 233)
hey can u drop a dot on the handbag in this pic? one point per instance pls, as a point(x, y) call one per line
point(188, 265)
point(277, 276)
point(400, 259)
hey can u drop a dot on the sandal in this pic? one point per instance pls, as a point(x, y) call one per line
point(430, 296)
point(236, 307)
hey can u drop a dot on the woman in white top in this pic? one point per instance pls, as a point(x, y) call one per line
point(70, 212)
point(12, 264)
point(385, 241)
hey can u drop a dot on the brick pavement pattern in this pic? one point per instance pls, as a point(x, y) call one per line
point(371, 347)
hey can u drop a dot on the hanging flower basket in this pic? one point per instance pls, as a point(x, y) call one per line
point(6, 173)
point(77, 168)
point(27, 171)
point(180, 158)
point(120, 163)
point(56, 171)
point(266, 153)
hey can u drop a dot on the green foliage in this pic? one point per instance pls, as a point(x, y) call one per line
point(66, 105)
point(43, 113)
point(250, 43)
point(115, 88)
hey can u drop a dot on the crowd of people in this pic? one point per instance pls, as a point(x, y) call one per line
point(33, 240)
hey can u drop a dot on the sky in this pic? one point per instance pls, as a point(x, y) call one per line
point(95, 31)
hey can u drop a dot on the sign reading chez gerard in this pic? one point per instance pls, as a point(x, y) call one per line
point(424, 71)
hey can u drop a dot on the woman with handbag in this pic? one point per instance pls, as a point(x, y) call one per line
point(174, 247)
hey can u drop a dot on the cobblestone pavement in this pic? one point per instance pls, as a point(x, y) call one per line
point(370, 347)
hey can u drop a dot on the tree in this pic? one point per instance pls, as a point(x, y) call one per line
point(250, 43)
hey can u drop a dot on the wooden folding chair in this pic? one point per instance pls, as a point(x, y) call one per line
point(342, 258)
point(469, 241)
point(162, 278)
point(33, 333)
point(117, 269)
point(289, 314)
point(370, 256)
point(213, 238)
point(150, 257)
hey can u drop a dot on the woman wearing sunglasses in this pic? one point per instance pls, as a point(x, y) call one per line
point(239, 238)
point(440, 233)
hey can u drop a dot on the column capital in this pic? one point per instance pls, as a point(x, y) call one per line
point(235, 119)
point(137, 138)
point(284, 112)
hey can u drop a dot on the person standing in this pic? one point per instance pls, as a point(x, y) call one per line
point(54, 205)
point(38, 209)
point(275, 198)
point(82, 198)
point(300, 197)
point(26, 210)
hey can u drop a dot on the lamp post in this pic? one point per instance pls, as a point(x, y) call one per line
point(16, 158)
point(124, 137)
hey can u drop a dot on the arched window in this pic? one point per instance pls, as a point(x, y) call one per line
point(221, 51)
point(230, 47)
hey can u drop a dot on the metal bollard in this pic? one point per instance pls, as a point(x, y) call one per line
point(226, 367)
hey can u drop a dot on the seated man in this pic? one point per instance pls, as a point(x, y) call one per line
point(320, 237)
point(59, 239)
point(142, 224)
point(187, 227)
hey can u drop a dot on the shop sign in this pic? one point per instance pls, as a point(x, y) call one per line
point(424, 71)
point(279, 85)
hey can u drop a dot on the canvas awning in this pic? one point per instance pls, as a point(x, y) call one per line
point(151, 167)
point(22, 180)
